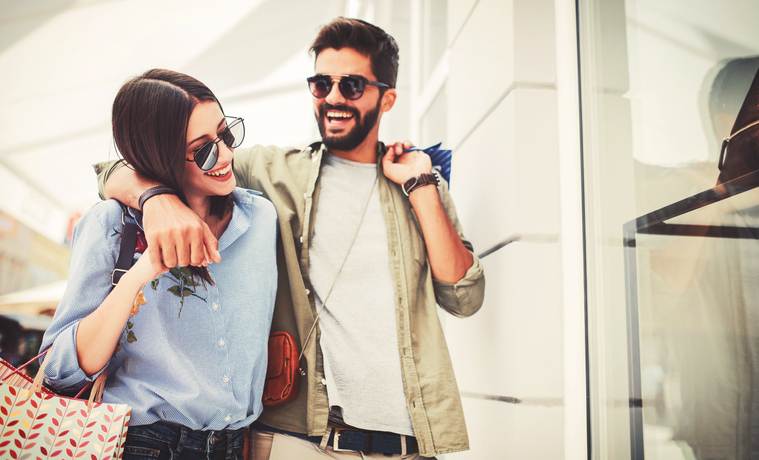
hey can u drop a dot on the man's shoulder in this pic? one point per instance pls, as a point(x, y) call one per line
point(273, 152)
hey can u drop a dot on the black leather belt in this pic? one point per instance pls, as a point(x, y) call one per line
point(368, 442)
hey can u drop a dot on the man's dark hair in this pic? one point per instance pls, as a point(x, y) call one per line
point(365, 38)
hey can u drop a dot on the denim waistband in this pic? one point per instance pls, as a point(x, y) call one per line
point(179, 437)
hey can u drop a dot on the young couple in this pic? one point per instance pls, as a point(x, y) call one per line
point(363, 245)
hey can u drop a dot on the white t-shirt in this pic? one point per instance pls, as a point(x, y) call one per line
point(359, 338)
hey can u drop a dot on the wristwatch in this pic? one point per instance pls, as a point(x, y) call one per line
point(419, 181)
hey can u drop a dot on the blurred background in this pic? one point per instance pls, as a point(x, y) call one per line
point(567, 121)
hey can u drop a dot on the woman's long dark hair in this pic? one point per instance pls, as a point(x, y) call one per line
point(149, 120)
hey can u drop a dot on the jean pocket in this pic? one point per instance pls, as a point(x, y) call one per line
point(140, 453)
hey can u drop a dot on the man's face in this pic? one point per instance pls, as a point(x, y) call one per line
point(343, 123)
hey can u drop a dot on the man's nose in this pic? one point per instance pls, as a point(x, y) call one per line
point(335, 97)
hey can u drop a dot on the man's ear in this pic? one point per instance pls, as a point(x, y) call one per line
point(388, 99)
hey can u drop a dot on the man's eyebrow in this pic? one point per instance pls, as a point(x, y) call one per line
point(205, 135)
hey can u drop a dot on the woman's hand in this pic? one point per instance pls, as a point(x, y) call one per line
point(147, 268)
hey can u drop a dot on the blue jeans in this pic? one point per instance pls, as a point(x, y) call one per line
point(169, 441)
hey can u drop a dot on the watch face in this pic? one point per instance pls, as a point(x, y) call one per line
point(409, 185)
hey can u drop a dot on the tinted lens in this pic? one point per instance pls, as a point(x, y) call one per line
point(320, 86)
point(234, 134)
point(351, 87)
point(206, 156)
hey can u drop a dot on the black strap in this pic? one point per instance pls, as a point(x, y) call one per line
point(154, 191)
point(128, 242)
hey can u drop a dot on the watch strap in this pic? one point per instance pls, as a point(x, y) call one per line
point(419, 181)
point(154, 191)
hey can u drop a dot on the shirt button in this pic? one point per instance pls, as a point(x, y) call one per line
point(308, 291)
point(324, 382)
point(301, 239)
point(215, 306)
point(226, 379)
point(221, 343)
point(228, 418)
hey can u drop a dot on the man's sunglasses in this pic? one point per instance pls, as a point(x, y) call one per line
point(351, 86)
point(232, 135)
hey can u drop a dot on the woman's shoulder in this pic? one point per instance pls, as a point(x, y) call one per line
point(102, 222)
point(106, 213)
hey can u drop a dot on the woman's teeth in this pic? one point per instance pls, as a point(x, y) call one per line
point(220, 172)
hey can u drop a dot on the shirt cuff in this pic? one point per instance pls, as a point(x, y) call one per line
point(464, 297)
point(63, 370)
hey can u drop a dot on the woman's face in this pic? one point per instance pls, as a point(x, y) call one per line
point(205, 124)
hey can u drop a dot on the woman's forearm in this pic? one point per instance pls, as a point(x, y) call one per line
point(99, 332)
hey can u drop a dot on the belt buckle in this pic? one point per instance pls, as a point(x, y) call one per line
point(336, 442)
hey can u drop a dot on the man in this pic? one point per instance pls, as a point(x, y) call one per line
point(356, 251)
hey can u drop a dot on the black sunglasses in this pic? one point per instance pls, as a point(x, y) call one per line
point(232, 135)
point(351, 86)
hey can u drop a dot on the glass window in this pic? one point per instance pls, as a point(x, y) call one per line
point(672, 251)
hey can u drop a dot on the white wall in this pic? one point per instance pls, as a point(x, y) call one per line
point(502, 124)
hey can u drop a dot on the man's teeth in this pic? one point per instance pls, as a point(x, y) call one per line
point(332, 114)
point(220, 172)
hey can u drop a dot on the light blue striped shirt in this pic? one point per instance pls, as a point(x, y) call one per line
point(203, 367)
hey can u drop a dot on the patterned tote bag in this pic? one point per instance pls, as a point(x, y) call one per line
point(37, 424)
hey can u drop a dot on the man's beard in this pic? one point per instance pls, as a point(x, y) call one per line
point(356, 135)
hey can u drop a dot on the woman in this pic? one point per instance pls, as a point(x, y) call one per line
point(185, 348)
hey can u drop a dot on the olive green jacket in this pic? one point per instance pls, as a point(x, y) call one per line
point(290, 179)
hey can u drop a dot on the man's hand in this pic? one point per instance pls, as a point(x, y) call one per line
point(176, 235)
point(400, 166)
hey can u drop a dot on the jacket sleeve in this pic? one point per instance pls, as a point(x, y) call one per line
point(465, 297)
point(93, 257)
point(104, 169)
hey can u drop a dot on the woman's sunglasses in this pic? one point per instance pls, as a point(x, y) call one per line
point(207, 154)
point(351, 86)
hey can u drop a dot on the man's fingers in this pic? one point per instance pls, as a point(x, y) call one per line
point(155, 251)
point(169, 254)
point(197, 251)
point(183, 252)
point(211, 244)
